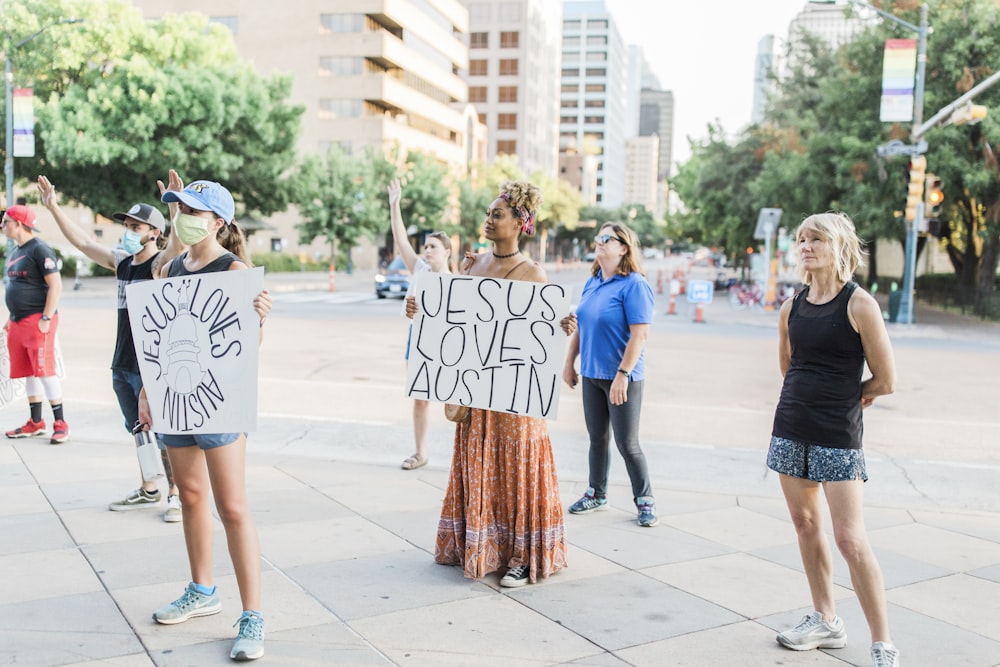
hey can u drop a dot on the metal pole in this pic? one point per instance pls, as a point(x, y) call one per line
point(910, 267)
point(8, 161)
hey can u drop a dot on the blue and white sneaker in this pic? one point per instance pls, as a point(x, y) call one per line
point(588, 503)
point(189, 605)
point(249, 644)
point(647, 511)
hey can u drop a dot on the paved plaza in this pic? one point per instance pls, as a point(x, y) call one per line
point(347, 537)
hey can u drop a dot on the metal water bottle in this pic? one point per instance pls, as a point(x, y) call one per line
point(148, 452)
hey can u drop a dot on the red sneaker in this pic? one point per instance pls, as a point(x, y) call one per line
point(29, 429)
point(60, 432)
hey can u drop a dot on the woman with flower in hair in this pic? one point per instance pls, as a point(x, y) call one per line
point(502, 509)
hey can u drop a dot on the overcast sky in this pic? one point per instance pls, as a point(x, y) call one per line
point(704, 51)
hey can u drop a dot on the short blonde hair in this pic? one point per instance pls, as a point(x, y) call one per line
point(837, 229)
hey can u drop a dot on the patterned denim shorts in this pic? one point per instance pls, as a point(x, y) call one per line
point(816, 463)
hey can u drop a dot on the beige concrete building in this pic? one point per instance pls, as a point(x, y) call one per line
point(381, 73)
point(641, 160)
point(513, 78)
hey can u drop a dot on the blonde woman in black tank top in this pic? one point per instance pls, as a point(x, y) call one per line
point(827, 334)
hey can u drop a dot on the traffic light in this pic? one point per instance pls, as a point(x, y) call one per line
point(915, 191)
point(934, 198)
point(970, 113)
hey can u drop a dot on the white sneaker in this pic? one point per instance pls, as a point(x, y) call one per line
point(884, 655)
point(813, 632)
point(173, 513)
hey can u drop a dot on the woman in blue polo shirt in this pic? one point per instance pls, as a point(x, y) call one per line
point(615, 310)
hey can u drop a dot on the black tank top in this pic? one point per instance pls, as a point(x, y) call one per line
point(820, 400)
point(220, 263)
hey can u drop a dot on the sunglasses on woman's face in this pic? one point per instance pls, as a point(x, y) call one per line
point(604, 238)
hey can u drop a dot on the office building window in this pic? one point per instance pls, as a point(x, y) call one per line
point(510, 39)
point(231, 22)
point(595, 88)
point(569, 87)
point(597, 24)
point(568, 104)
point(596, 71)
point(482, 119)
point(509, 12)
point(340, 65)
point(341, 23)
point(477, 94)
point(597, 40)
point(506, 147)
point(478, 67)
point(570, 71)
point(508, 66)
point(479, 40)
point(571, 24)
point(507, 121)
point(593, 120)
point(594, 104)
point(571, 42)
point(567, 120)
point(331, 108)
point(597, 56)
point(508, 94)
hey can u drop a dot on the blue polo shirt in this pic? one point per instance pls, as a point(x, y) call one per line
point(606, 311)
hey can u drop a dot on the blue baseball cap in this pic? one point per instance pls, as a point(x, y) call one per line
point(205, 196)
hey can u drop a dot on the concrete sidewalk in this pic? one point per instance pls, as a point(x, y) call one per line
point(349, 577)
point(347, 540)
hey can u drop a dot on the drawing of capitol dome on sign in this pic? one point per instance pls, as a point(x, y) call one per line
point(183, 368)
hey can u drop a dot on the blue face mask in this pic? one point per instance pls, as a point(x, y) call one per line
point(132, 242)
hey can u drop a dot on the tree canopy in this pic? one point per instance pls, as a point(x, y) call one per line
point(120, 100)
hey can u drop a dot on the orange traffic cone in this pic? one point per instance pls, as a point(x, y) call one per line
point(699, 314)
point(673, 306)
point(333, 285)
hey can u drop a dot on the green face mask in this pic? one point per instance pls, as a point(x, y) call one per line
point(190, 228)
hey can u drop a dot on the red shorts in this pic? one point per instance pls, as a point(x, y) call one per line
point(31, 351)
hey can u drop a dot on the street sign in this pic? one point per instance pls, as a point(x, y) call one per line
point(898, 148)
point(767, 223)
point(700, 291)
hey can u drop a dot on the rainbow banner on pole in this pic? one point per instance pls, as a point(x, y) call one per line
point(24, 122)
point(898, 70)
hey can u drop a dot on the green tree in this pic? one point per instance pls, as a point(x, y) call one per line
point(341, 199)
point(120, 100)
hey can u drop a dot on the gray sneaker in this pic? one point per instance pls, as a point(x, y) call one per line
point(173, 513)
point(588, 503)
point(813, 632)
point(647, 511)
point(249, 644)
point(189, 605)
point(137, 500)
point(884, 655)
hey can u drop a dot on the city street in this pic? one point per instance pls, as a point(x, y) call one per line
point(346, 533)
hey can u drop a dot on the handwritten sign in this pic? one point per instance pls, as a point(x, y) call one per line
point(488, 343)
point(196, 340)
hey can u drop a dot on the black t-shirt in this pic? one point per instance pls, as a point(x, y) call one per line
point(26, 271)
point(128, 273)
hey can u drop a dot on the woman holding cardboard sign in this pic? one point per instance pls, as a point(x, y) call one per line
point(502, 509)
point(616, 307)
point(437, 258)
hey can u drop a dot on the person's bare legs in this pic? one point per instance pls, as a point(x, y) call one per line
point(420, 420)
point(847, 512)
point(227, 470)
point(803, 499)
point(191, 476)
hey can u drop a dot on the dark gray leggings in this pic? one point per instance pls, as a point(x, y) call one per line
point(600, 414)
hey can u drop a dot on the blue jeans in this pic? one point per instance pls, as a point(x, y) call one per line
point(127, 386)
point(600, 414)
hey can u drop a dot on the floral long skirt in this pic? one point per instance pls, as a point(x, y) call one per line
point(502, 508)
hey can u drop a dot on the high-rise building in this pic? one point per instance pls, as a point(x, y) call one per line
point(829, 22)
point(763, 77)
point(641, 160)
point(592, 114)
point(513, 78)
point(656, 116)
point(369, 73)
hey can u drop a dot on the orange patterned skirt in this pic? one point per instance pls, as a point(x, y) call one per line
point(502, 508)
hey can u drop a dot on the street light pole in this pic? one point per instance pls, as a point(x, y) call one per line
point(905, 315)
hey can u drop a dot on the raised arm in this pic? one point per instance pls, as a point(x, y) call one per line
point(73, 232)
point(398, 228)
point(174, 245)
